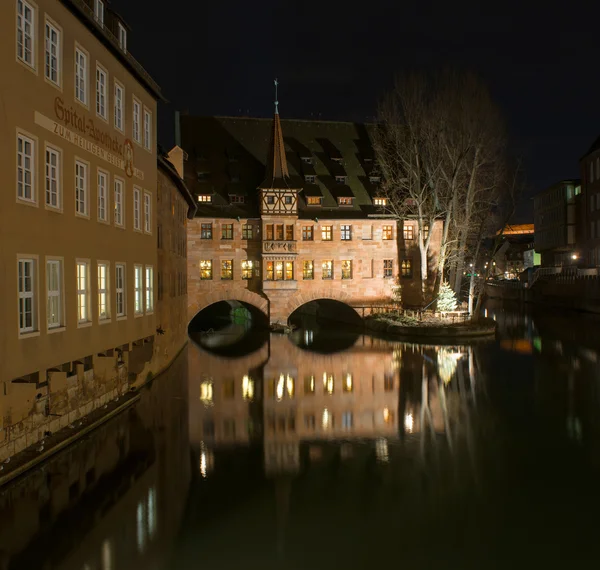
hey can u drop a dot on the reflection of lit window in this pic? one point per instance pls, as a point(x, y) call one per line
point(348, 385)
point(107, 555)
point(141, 527)
point(326, 420)
point(279, 388)
point(408, 422)
point(381, 450)
point(206, 392)
point(447, 360)
point(151, 512)
point(388, 417)
point(285, 384)
point(328, 382)
point(308, 337)
point(290, 386)
point(309, 384)
point(206, 460)
point(347, 420)
point(247, 388)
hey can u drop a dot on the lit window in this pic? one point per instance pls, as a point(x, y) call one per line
point(307, 233)
point(102, 196)
point(425, 231)
point(247, 388)
point(279, 232)
point(307, 270)
point(83, 292)
point(206, 391)
point(247, 231)
point(408, 232)
point(53, 198)
point(388, 267)
point(26, 295)
point(25, 33)
point(346, 232)
point(348, 383)
point(25, 168)
point(380, 201)
point(327, 267)
point(103, 299)
point(314, 200)
point(269, 235)
point(147, 212)
point(328, 383)
point(227, 269)
point(122, 36)
point(147, 129)
point(289, 233)
point(120, 290)
point(227, 231)
point(406, 268)
point(54, 286)
point(118, 202)
point(247, 267)
point(81, 76)
point(347, 269)
point(81, 186)
point(119, 112)
point(204, 198)
point(137, 289)
point(99, 11)
point(326, 420)
point(327, 233)
point(149, 289)
point(270, 271)
point(309, 384)
point(387, 232)
point(137, 209)
point(344, 201)
point(289, 270)
point(206, 231)
point(137, 133)
point(280, 270)
point(52, 55)
point(206, 269)
point(101, 82)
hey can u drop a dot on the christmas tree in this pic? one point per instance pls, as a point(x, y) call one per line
point(446, 299)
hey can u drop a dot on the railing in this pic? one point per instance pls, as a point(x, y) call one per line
point(89, 14)
point(564, 274)
point(279, 246)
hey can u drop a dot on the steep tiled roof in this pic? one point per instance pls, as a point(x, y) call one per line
point(338, 154)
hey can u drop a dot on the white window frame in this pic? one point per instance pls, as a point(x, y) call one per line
point(53, 177)
point(54, 294)
point(99, 11)
point(24, 294)
point(137, 118)
point(82, 271)
point(137, 209)
point(138, 290)
point(102, 192)
point(119, 196)
point(81, 76)
point(82, 191)
point(147, 129)
point(119, 109)
point(149, 287)
point(101, 92)
point(26, 29)
point(52, 53)
point(25, 165)
point(147, 212)
point(122, 36)
point(121, 290)
point(103, 275)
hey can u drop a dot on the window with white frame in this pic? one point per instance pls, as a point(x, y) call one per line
point(103, 296)
point(137, 110)
point(147, 129)
point(137, 289)
point(137, 214)
point(147, 212)
point(25, 163)
point(53, 288)
point(99, 11)
point(26, 32)
point(119, 204)
point(52, 178)
point(81, 195)
point(122, 36)
point(101, 86)
point(102, 196)
point(119, 114)
point(80, 76)
point(149, 289)
point(120, 290)
point(52, 55)
point(27, 307)
point(83, 292)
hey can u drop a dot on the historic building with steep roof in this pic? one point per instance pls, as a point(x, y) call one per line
point(288, 212)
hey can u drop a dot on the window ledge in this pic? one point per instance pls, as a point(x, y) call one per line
point(31, 334)
point(150, 312)
point(25, 202)
point(138, 315)
point(80, 215)
point(104, 321)
point(84, 325)
point(122, 318)
point(56, 330)
point(56, 210)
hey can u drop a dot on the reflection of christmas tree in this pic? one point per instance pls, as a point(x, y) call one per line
point(447, 360)
point(446, 298)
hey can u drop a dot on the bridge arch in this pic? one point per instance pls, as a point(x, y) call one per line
point(300, 300)
point(241, 295)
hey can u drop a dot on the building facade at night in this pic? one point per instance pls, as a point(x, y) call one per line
point(590, 178)
point(288, 212)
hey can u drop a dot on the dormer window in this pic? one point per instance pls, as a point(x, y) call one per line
point(314, 200)
point(340, 179)
point(235, 199)
point(306, 159)
point(337, 159)
point(99, 11)
point(380, 201)
point(206, 198)
point(122, 37)
point(344, 201)
point(309, 178)
point(374, 179)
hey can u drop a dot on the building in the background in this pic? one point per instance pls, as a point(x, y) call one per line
point(313, 227)
point(590, 177)
point(78, 237)
point(513, 256)
point(557, 232)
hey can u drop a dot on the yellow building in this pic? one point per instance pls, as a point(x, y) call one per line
point(78, 252)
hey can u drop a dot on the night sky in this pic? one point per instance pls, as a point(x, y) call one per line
point(334, 61)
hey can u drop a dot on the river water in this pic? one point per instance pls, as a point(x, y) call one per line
point(332, 449)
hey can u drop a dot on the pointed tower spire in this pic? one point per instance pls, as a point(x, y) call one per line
point(277, 170)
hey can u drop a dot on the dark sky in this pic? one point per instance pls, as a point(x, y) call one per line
point(540, 61)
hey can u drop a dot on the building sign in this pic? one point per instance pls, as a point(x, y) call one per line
point(279, 246)
point(73, 127)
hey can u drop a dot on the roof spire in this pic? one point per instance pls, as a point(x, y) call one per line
point(276, 101)
point(277, 169)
